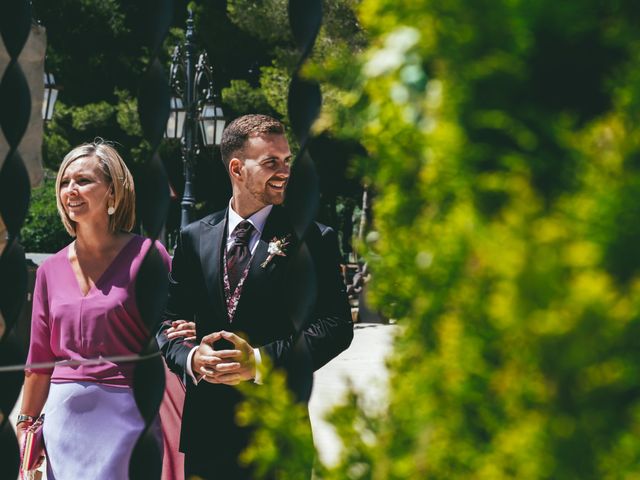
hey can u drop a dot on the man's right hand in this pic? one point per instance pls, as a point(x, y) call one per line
point(205, 359)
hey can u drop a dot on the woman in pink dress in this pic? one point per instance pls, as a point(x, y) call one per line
point(84, 307)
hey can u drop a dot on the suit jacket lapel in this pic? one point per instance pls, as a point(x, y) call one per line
point(212, 241)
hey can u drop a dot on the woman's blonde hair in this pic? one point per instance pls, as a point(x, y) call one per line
point(116, 173)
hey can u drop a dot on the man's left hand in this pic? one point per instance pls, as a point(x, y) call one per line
point(241, 369)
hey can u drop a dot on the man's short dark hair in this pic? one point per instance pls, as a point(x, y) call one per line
point(237, 132)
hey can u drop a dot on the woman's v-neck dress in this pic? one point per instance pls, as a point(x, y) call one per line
point(92, 422)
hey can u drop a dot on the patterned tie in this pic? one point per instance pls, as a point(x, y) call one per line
point(239, 255)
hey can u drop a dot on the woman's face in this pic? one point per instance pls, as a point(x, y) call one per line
point(84, 191)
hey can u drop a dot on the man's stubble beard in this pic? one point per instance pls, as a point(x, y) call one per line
point(264, 197)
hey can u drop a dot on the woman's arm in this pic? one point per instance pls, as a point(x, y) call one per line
point(34, 396)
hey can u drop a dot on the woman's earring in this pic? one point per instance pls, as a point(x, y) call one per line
point(111, 210)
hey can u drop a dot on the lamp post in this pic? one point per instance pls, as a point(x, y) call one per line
point(50, 96)
point(193, 102)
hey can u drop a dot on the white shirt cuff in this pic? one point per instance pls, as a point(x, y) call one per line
point(195, 379)
point(258, 359)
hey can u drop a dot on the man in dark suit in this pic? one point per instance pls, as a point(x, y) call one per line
point(231, 275)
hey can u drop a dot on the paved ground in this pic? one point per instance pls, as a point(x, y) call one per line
point(362, 365)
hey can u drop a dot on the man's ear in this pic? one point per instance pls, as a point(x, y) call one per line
point(235, 168)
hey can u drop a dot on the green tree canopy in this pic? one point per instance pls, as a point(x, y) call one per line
point(95, 51)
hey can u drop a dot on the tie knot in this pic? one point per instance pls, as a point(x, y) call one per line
point(242, 233)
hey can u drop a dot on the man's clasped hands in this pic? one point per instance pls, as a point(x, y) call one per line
point(228, 366)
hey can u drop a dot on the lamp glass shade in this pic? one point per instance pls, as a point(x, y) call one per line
point(212, 123)
point(50, 96)
point(177, 115)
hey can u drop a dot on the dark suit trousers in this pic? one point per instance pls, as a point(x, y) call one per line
point(216, 467)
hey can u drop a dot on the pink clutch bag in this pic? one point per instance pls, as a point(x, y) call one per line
point(32, 446)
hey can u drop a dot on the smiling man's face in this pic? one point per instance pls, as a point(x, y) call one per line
point(265, 170)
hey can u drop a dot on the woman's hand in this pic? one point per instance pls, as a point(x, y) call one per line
point(181, 328)
point(21, 431)
point(34, 395)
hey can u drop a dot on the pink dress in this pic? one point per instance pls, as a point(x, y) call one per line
point(86, 399)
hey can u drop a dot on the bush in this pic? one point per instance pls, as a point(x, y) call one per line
point(43, 231)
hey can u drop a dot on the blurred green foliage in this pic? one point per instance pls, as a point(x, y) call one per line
point(503, 146)
point(282, 446)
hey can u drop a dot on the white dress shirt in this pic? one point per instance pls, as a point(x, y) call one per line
point(258, 220)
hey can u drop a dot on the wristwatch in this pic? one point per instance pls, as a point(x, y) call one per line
point(25, 418)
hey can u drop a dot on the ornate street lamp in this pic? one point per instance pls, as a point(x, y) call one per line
point(50, 96)
point(193, 102)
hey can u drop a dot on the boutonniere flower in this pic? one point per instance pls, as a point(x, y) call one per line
point(276, 247)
